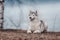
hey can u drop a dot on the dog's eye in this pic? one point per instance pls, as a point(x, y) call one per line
point(32, 13)
point(29, 15)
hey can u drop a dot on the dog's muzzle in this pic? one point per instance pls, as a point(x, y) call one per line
point(31, 19)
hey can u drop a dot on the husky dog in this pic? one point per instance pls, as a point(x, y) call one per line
point(36, 25)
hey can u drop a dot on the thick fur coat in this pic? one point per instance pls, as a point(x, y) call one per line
point(36, 25)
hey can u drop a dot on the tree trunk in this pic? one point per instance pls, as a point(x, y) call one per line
point(1, 13)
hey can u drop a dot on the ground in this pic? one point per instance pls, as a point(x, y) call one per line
point(22, 35)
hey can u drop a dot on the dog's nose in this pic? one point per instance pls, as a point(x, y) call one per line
point(30, 17)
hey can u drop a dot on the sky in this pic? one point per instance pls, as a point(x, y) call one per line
point(16, 13)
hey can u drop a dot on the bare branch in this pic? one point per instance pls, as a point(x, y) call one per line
point(11, 21)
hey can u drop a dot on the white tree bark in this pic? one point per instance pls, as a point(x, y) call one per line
point(1, 13)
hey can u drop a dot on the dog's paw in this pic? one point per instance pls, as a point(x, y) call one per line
point(36, 31)
point(29, 32)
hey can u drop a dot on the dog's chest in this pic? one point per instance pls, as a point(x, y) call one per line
point(35, 25)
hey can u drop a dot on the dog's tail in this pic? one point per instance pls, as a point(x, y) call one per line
point(42, 23)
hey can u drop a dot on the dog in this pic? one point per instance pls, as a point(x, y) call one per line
point(36, 25)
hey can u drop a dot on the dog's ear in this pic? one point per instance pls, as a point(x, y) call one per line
point(30, 11)
point(36, 13)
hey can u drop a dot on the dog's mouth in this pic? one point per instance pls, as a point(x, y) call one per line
point(31, 19)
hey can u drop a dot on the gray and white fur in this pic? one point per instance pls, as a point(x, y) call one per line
point(36, 25)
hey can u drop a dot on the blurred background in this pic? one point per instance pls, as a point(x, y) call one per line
point(16, 13)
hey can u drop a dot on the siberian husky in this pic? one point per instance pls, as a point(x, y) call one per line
point(36, 25)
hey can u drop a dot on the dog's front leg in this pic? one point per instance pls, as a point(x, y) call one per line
point(29, 30)
point(37, 31)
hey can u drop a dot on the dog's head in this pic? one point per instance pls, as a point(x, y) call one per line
point(33, 15)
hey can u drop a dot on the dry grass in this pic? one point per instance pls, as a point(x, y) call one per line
point(22, 35)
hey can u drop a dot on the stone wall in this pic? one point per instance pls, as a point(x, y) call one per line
point(1, 13)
